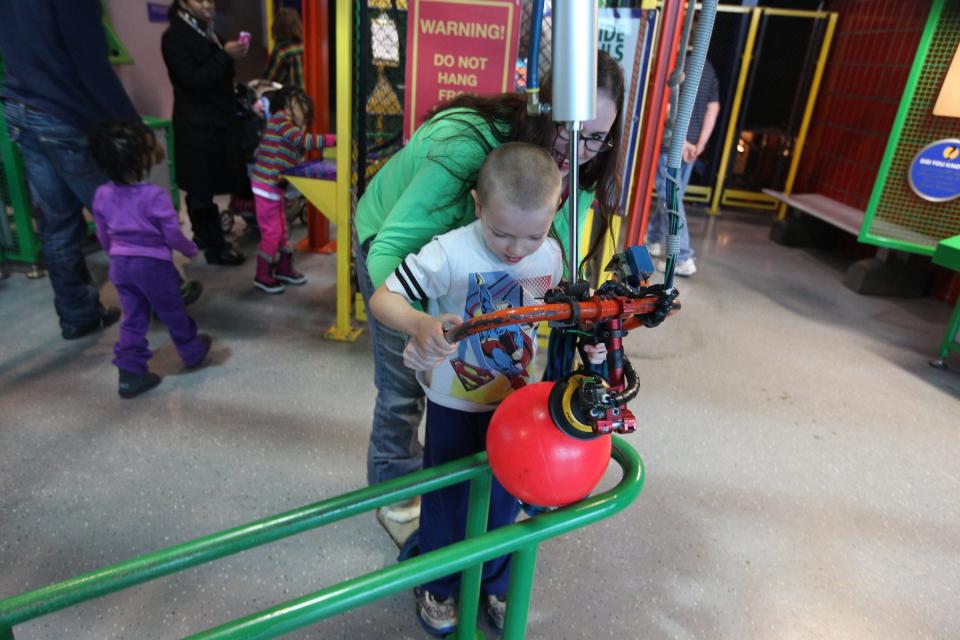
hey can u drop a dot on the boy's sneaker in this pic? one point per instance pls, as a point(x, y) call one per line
point(655, 249)
point(534, 510)
point(133, 384)
point(496, 610)
point(686, 268)
point(437, 616)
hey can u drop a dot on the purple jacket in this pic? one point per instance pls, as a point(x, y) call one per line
point(138, 220)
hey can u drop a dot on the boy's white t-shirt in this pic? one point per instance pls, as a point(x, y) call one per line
point(456, 273)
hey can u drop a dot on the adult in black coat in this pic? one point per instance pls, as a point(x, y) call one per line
point(205, 128)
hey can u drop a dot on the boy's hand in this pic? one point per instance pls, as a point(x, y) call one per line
point(596, 353)
point(428, 346)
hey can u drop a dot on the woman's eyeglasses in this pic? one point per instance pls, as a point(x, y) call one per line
point(595, 144)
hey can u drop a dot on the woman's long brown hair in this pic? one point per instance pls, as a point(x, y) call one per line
point(506, 117)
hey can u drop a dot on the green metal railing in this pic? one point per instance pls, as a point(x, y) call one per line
point(520, 539)
point(18, 240)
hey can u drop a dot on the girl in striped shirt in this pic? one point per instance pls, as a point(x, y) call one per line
point(282, 146)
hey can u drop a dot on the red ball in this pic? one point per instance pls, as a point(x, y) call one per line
point(534, 460)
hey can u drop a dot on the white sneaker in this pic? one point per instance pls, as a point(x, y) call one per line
point(655, 249)
point(686, 268)
point(438, 616)
point(497, 610)
point(402, 512)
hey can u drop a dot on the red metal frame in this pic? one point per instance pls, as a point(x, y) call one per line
point(316, 77)
point(593, 310)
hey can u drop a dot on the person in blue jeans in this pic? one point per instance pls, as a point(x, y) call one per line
point(59, 83)
point(706, 107)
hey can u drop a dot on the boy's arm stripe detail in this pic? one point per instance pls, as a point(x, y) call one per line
point(403, 283)
point(413, 280)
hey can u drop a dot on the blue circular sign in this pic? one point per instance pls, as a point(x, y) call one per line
point(934, 173)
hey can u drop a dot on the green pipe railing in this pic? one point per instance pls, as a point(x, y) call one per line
point(520, 539)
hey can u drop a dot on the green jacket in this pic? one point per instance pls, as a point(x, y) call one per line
point(414, 197)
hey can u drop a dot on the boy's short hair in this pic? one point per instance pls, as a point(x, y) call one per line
point(519, 175)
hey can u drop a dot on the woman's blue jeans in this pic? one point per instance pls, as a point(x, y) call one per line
point(63, 178)
point(394, 447)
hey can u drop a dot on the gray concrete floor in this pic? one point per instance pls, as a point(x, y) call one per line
point(803, 463)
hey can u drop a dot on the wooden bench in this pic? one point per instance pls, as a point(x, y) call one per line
point(881, 275)
point(823, 208)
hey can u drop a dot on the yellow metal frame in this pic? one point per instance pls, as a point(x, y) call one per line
point(721, 8)
point(332, 198)
point(797, 13)
point(745, 61)
point(268, 19)
point(749, 199)
point(698, 193)
point(752, 199)
point(808, 110)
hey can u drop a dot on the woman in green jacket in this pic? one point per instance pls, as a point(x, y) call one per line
point(424, 191)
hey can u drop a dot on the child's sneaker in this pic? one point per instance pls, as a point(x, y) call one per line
point(133, 384)
point(655, 249)
point(437, 616)
point(496, 610)
point(264, 279)
point(206, 341)
point(285, 272)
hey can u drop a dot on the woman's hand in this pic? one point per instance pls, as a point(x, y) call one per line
point(236, 49)
point(596, 353)
point(428, 346)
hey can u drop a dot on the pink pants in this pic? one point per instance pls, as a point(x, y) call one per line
point(272, 220)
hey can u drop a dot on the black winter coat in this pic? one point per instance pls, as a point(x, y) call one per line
point(205, 128)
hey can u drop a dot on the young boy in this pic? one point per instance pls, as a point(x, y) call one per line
point(503, 259)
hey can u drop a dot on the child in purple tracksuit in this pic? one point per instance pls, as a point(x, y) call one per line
point(138, 227)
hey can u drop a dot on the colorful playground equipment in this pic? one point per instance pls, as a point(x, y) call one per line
point(572, 418)
point(521, 539)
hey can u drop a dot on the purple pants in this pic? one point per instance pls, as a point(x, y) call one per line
point(145, 284)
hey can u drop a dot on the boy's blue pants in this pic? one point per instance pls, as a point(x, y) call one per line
point(453, 434)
